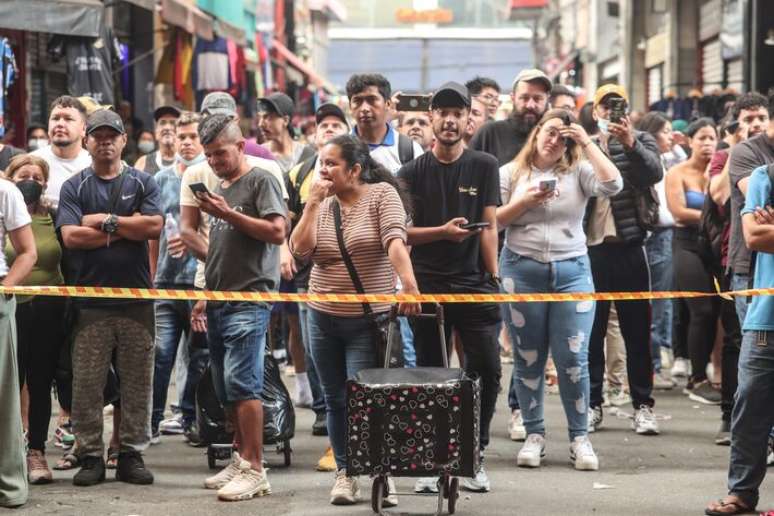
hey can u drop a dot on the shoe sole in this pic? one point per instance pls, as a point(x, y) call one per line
point(594, 466)
point(341, 500)
point(89, 484)
point(723, 442)
point(134, 482)
point(389, 503)
point(518, 436)
point(41, 481)
point(648, 431)
point(473, 489)
point(246, 496)
point(530, 462)
point(699, 399)
point(320, 433)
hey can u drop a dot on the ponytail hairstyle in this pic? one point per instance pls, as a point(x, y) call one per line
point(525, 159)
point(355, 152)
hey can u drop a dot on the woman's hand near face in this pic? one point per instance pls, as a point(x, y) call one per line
point(576, 132)
point(321, 189)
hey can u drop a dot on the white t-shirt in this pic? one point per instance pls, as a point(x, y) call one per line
point(13, 215)
point(387, 155)
point(60, 170)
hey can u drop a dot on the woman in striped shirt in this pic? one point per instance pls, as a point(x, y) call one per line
point(373, 222)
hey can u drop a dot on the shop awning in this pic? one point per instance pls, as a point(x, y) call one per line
point(188, 17)
point(70, 17)
point(314, 78)
point(232, 32)
point(145, 4)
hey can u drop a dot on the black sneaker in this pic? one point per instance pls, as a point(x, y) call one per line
point(191, 435)
point(131, 469)
point(704, 392)
point(92, 472)
point(723, 437)
point(320, 426)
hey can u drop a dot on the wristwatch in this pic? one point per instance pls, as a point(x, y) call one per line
point(110, 224)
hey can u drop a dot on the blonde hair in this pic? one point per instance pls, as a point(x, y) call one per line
point(525, 159)
point(22, 160)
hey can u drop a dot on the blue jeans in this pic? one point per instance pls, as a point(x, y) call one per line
point(740, 282)
point(563, 327)
point(752, 417)
point(341, 346)
point(318, 400)
point(659, 250)
point(409, 353)
point(173, 322)
point(236, 336)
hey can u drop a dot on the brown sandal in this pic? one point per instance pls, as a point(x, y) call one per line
point(112, 458)
point(727, 506)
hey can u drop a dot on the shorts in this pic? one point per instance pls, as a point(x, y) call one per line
point(236, 337)
point(286, 307)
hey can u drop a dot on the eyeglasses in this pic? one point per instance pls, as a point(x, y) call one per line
point(488, 98)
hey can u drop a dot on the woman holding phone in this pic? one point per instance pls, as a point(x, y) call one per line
point(544, 191)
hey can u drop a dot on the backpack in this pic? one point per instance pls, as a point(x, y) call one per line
point(405, 149)
point(709, 242)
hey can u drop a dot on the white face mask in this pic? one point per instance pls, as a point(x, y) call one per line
point(603, 126)
point(146, 147)
point(37, 143)
point(189, 163)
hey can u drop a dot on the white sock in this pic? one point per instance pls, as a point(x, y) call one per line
point(303, 389)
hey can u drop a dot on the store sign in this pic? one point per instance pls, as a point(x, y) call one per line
point(408, 15)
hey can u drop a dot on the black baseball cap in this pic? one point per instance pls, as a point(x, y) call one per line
point(328, 109)
point(105, 118)
point(166, 110)
point(277, 103)
point(451, 94)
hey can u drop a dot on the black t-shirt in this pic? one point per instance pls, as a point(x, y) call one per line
point(441, 192)
point(502, 139)
point(125, 262)
point(7, 154)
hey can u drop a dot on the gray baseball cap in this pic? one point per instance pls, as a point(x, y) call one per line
point(533, 75)
point(219, 102)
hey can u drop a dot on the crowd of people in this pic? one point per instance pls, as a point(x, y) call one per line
point(555, 197)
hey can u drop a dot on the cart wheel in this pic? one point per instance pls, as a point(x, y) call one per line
point(288, 452)
point(377, 494)
point(454, 493)
point(444, 487)
point(211, 460)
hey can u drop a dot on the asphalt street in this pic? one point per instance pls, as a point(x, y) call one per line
point(675, 473)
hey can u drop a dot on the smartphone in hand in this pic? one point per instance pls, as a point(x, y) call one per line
point(199, 189)
point(547, 185)
point(471, 226)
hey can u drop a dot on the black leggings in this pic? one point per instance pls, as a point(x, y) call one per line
point(40, 337)
point(703, 312)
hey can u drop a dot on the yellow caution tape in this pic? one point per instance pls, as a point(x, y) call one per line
point(193, 295)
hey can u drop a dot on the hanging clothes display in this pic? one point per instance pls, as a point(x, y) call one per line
point(8, 73)
point(211, 68)
point(90, 63)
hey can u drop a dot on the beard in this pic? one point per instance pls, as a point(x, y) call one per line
point(525, 120)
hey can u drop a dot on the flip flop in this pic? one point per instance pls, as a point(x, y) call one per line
point(112, 459)
point(727, 506)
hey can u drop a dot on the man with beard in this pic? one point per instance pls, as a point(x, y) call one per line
point(416, 125)
point(504, 139)
point(165, 118)
point(476, 119)
point(65, 155)
point(452, 186)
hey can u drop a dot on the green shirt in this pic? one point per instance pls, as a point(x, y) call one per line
point(47, 270)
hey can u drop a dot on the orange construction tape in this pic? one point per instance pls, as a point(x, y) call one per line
point(194, 295)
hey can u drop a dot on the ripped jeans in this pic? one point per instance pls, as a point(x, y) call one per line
point(562, 327)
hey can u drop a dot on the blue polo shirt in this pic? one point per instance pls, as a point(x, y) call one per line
point(760, 315)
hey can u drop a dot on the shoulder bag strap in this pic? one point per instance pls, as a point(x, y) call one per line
point(347, 259)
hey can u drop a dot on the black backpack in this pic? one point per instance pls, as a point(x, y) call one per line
point(709, 242)
point(405, 149)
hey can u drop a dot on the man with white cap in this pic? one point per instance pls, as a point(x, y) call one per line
point(504, 139)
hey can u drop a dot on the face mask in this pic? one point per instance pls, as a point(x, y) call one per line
point(189, 163)
point(37, 143)
point(31, 190)
point(602, 124)
point(146, 147)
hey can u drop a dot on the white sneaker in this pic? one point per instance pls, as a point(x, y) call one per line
point(644, 422)
point(516, 426)
point(478, 484)
point(226, 474)
point(667, 359)
point(390, 497)
point(681, 368)
point(595, 419)
point(618, 397)
point(663, 382)
point(246, 484)
point(582, 454)
point(172, 426)
point(533, 450)
point(346, 490)
point(426, 485)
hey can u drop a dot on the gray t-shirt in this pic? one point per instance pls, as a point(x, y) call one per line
point(745, 157)
point(235, 261)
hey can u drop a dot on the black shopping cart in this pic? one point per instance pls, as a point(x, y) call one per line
point(420, 422)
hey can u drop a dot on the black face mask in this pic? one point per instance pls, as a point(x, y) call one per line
point(31, 190)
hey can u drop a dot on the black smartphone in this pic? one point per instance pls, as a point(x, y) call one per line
point(568, 142)
point(732, 127)
point(474, 225)
point(617, 109)
point(413, 102)
point(199, 188)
